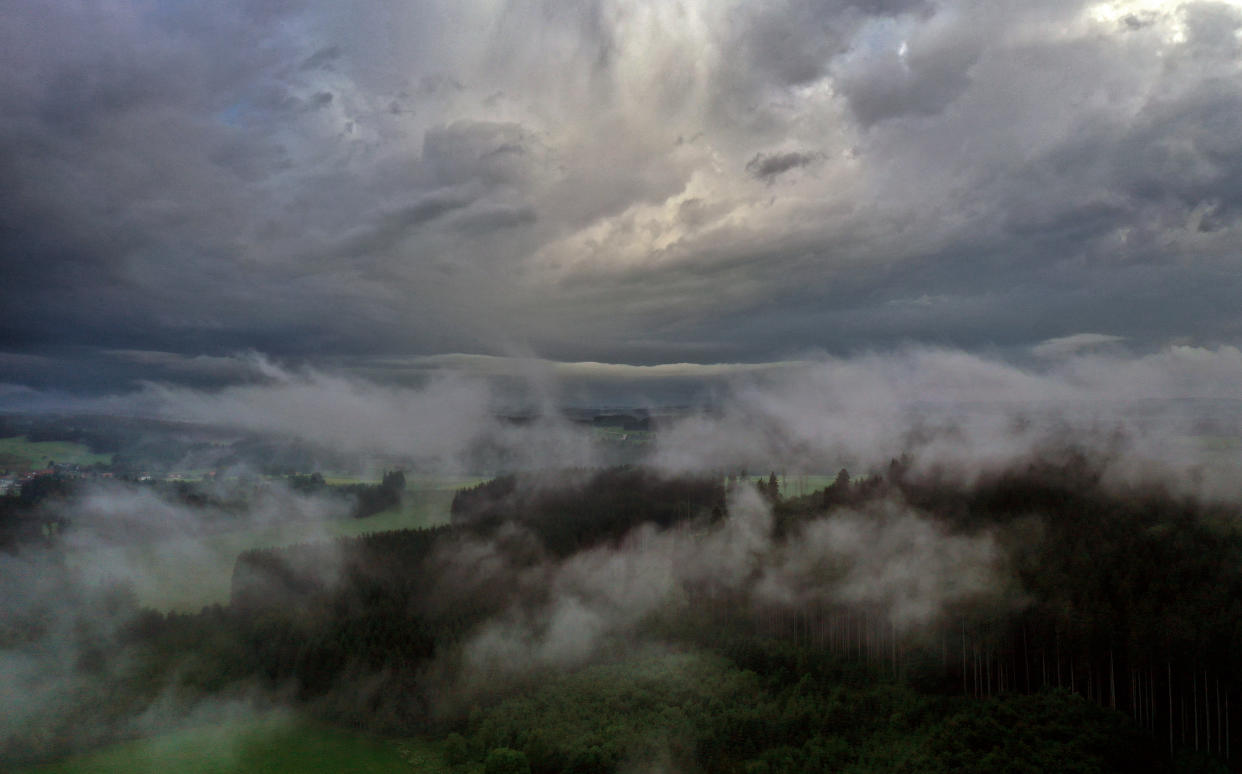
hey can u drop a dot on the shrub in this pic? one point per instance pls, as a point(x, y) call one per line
point(504, 760)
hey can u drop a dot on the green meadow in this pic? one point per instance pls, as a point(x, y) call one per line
point(20, 453)
point(618, 434)
point(270, 744)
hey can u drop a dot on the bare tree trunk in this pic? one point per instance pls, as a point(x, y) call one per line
point(1194, 681)
point(867, 637)
point(1145, 698)
point(1058, 643)
point(1169, 665)
point(1139, 705)
point(1112, 681)
point(892, 633)
point(1219, 735)
point(987, 666)
point(1151, 696)
point(979, 676)
point(862, 621)
point(1207, 715)
point(1144, 705)
point(963, 657)
point(1026, 660)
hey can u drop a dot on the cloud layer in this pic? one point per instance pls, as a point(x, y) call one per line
point(612, 181)
point(1175, 413)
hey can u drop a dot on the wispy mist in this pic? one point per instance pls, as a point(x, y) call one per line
point(1169, 419)
point(963, 412)
point(892, 561)
point(68, 610)
point(450, 422)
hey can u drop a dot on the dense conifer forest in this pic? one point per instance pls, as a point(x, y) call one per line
point(1102, 641)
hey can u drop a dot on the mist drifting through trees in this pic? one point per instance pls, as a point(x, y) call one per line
point(1019, 581)
point(619, 386)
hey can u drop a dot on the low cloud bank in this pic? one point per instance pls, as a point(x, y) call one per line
point(1178, 411)
point(1179, 408)
point(449, 423)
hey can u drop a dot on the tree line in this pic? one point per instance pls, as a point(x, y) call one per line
point(1119, 657)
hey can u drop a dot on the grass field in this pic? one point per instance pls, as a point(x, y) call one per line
point(619, 434)
point(796, 485)
point(186, 574)
point(413, 481)
point(271, 744)
point(18, 453)
point(419, 509)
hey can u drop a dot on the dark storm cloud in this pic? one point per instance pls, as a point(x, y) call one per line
point(767, 167)
point(416, 178)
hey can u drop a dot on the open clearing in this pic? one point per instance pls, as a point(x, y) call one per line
point(413, 481)
point(270, 744)
point(20, 453)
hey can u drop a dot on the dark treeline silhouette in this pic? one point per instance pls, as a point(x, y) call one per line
point(370, 499)
point(389, 601)
point(23, 522)
point(574, 509)
point(1131, 594)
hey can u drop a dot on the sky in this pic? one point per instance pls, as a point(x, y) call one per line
point(651, 189)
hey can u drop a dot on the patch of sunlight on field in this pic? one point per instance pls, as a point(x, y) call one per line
point(187, 574)
point(270, 744)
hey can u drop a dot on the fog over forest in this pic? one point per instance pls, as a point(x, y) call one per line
point(924, 508)
point(617, 386)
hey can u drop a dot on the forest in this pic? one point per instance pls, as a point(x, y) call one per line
point(617, 619)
